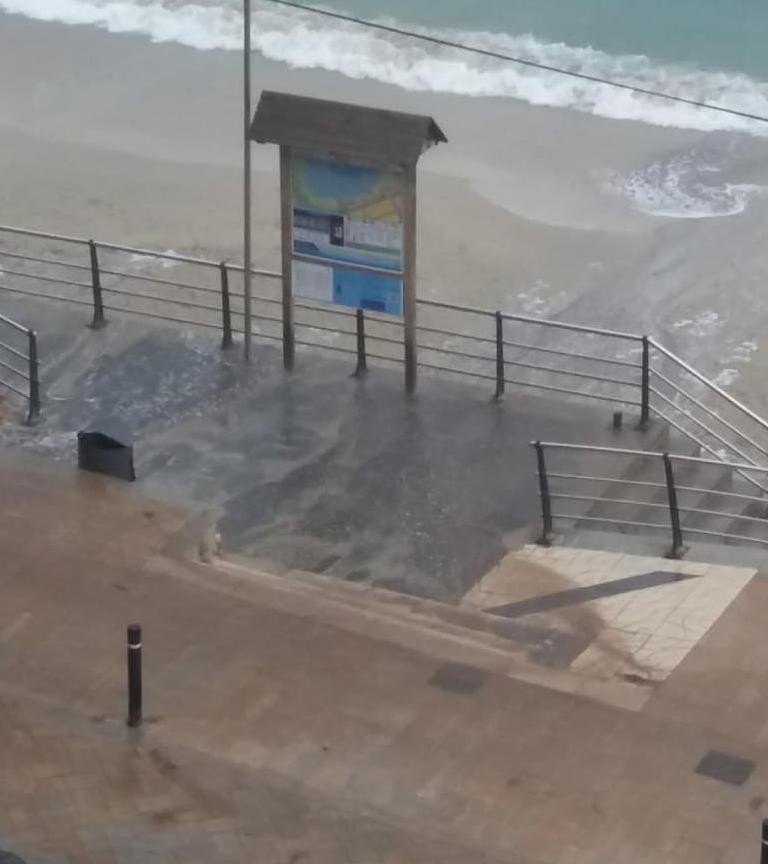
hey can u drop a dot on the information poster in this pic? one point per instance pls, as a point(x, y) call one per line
point(346, 215)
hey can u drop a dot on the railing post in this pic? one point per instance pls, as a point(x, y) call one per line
point(362, 360)
point(226, 314)
point(645, 386)
point(33, 414)
point(134, 675)
point(500, 368)
point(546, 502)
point(98, 303)
point(678, 549)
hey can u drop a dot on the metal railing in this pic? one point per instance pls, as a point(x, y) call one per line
point(682, 495)
point(19, 370)
point(505, 350)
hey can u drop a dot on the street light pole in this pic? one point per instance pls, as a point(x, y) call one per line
point(247, 176)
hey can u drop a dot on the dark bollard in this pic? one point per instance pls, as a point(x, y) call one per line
point(764, 844)
point(618, 420)
point(134, 675)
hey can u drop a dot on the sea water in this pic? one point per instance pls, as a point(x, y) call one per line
point(708, 50)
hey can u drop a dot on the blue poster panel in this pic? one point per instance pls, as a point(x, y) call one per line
point(347, 217)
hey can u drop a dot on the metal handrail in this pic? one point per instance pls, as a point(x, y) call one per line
point(610, 392)
point(31, 376)
point(9, 322)
point(593, 358)
point(39, 260)
point(43, 235)
point(678, 457)
point(699, 404)
point(675, 509)
point(149, 253)
point(710, 384)
point(702, 425)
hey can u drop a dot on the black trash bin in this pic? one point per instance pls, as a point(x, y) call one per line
point(107, 449)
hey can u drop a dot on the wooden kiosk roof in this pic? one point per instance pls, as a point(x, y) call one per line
point(340, 129)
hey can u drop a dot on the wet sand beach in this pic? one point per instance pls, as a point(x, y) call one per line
point(123, 139)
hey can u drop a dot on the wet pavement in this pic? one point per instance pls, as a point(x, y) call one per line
point(316, 470)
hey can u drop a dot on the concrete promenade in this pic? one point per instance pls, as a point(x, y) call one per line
point(292, 719)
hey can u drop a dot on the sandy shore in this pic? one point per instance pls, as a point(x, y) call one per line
point(140, 143)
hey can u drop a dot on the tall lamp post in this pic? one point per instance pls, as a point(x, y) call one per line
point(247, 176)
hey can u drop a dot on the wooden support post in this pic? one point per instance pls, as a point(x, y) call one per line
point(286, 205)
point(409, 278)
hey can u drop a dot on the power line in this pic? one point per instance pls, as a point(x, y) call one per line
point(496, 55)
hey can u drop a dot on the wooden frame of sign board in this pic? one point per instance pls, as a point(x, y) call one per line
point(359, 136)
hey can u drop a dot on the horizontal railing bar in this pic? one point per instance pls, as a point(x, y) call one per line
point(571, 497)
point(618, 480)
point(14, 388)
point(158, 281)
point(456, 307)
point(619, 451)
point(575, 328)
point(691, 436)
point(258, 334)
point(395, 360)
point(527, 319)
point(238, 268)
point(149, 253)
point(24, 375)
point(347, 312)
point(256, 298)
point(574, 354)
point(740, 496)
point(606, 521)
point(324, 347)
point(55, 280)
point(594, 448)
point(163, 317)
point(14, 325)
point(26, 232)
point(11, 350)
point(43, 296)
point(455, 333)
point(326, 329)
point(718, 462)
point(712, 386)
point(140, 296)
point(387, 339)
point(572, 373)
point(39, 260)
point(553, 389)
point(726, 535)
point(440, 368)
point(329, 311)
point(347, 265)
point(700, 423)
point(721, 514)
point(708, 410)
point(271, 318)
point(455, 353)
point(370, 337)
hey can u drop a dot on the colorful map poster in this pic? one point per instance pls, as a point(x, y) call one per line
point(347, 218)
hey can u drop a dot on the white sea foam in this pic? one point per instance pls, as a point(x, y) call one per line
point(687, 185)
point(702, 325)
point(308, 42)
point(154, 261)
point(727, 377)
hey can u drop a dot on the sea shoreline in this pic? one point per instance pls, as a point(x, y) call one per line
point(116, 137)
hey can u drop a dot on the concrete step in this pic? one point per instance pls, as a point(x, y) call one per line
point(456, 634)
